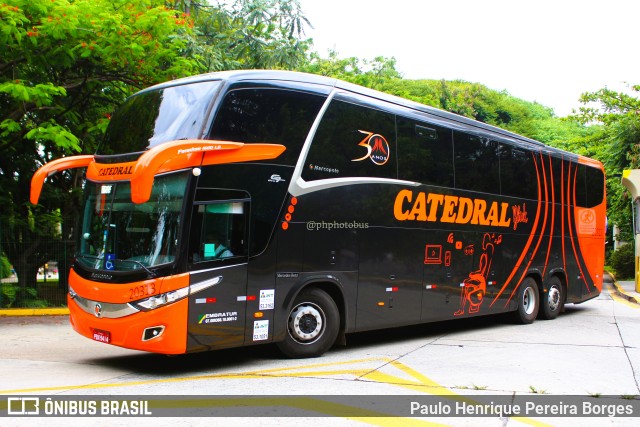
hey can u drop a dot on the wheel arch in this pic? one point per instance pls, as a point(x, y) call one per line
point(562, 276)
point(332, 287)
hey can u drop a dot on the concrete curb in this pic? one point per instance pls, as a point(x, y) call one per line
point(619, 291)
point(34, 312)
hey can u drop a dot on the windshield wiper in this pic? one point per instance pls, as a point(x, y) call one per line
point(144, 267)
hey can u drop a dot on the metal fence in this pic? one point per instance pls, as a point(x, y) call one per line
point(51, 280)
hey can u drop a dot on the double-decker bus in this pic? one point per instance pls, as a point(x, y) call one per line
point(248, 207)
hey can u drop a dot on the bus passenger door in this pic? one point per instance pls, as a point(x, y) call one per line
point(390, 277)
point(218, 250)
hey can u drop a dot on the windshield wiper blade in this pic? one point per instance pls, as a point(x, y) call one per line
point(144, 267)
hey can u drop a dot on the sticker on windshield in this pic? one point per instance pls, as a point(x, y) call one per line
point(108, 264)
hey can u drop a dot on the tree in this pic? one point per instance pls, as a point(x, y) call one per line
point(370, 73)
point(245, 34)
point(64, 67)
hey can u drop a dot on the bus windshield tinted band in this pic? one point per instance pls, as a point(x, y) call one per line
point(118, 235)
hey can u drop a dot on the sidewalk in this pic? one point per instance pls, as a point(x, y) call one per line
point(624, 288)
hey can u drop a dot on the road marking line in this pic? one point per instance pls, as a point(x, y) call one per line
point(421, 383)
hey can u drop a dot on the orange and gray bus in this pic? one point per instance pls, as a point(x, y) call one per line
point(250, 207)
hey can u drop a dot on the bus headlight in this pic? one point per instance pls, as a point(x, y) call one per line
point(157, 301)
point(161, 300)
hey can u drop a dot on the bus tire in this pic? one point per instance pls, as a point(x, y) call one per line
point(528, 302)
point(312, 325)
point(552, 300)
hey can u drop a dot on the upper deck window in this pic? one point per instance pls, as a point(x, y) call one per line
point(352, 141)
point(476, 163)
point(153, 117)
point(425, 152)
point(274, 116)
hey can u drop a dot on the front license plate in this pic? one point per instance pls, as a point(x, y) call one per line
point(102, 336)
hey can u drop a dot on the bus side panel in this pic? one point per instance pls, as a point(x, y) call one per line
point(261, 309)
point(217, 314)
point(390, 282)
point(310, 253)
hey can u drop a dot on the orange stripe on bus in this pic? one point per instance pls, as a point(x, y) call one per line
point(544, 223)
point(553, 216)
point(562, 215)
point(526, 248)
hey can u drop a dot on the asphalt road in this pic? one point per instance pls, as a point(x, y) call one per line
point(592, 349)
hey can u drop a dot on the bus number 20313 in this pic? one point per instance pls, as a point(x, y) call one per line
point(141, 291)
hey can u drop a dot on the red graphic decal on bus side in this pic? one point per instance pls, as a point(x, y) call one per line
point(474, 286)
point(377, 148)
point(433, 254)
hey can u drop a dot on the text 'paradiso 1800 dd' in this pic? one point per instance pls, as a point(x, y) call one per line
point(249, 207)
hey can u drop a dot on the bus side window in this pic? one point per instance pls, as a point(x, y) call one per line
point(518, 172)
point(268, 115)
point(425, 153)
point(218, 231)
point(352, 141)
point(477, 165)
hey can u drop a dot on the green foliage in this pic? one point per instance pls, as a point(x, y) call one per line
point(375, 74)
point(8, 294)
point(614, 118)
point(5, 267)
point(64, 66)
point(623, 262)
point(14, 296)
point(245, 34)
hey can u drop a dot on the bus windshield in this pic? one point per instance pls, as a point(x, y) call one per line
point(118, 235)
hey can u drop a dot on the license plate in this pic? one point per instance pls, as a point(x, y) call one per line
point(102, 336)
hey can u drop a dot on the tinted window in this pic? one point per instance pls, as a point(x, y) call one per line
point(273, 116)
point(351, 141)
point(425, 153)
point(222, 231)
point(218, 231)
point(477, 164)
point(589, 186)
point(518, 175)
point(158, 116)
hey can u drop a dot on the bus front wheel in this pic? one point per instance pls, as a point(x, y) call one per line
point(312, 325)
point(528, 302)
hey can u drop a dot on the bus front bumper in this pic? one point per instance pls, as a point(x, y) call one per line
point(163, 330)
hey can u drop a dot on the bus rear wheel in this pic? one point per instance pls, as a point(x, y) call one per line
point(312, 325)
point(552, 300)
point(528, 302)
